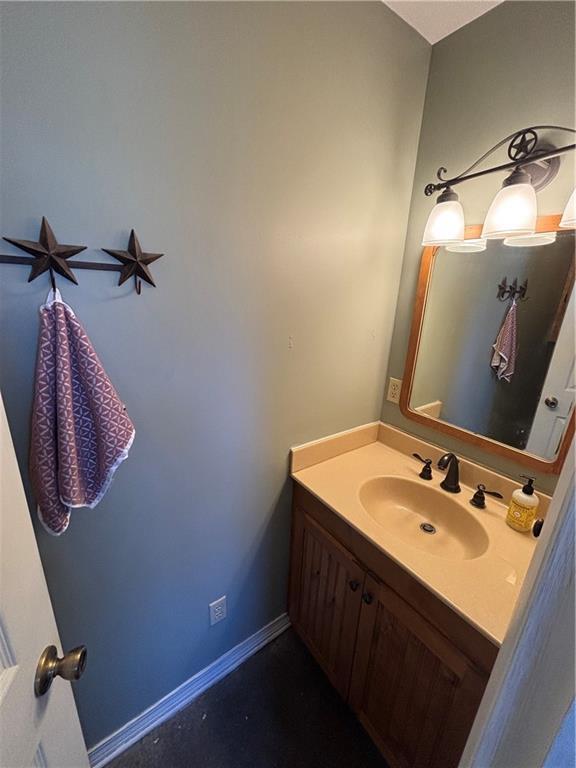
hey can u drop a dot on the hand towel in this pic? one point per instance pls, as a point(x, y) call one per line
point(80, 429)
point(504, 357)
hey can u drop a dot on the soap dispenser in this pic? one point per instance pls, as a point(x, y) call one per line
point(523, 506)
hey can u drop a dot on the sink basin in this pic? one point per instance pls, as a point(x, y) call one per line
point(424, 517)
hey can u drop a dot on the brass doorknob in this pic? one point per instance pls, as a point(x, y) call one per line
point(70, 667)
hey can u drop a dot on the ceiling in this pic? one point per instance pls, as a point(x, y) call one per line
point(435, 19)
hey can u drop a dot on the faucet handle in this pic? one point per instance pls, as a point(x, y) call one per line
point(478, 500)
point(426, 473)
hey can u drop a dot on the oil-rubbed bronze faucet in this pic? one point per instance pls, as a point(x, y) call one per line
point(451, 481)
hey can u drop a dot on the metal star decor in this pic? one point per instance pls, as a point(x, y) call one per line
point(135, 262)
point(522, 144)
point(48, 253)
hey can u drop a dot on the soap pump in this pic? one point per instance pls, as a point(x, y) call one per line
point(523, 506)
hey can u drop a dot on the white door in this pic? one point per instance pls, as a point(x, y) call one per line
point(39, 732)
point(557, 397)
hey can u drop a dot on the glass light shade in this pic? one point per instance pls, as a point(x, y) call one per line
point(472, 245)
point(529, 241)
point(568, 220)
point(513, 212)
point(445, 224)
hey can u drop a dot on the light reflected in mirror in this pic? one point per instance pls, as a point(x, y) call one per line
point(520, 394)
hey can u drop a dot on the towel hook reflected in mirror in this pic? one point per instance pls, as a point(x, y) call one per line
point(512, 290)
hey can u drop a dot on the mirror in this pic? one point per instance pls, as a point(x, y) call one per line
point(466, 376)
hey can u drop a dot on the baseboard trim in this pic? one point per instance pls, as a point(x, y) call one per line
point(162, 710)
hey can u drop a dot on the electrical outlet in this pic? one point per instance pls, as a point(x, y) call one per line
point(217, 610)
point(394, 387)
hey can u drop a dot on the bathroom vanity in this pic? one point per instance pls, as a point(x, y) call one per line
point(406, 623)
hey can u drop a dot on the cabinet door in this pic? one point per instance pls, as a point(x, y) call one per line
point(325, 598)
point(415, 693)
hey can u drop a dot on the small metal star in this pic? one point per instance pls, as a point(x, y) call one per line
point(522, 144)
point(48, 253)
point(135, 261)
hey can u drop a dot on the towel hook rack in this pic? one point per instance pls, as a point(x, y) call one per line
point(512, 290)
point(48, 255)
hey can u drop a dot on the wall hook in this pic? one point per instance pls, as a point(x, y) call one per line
point(135, 262)
point(512, 290)
point(48, 254)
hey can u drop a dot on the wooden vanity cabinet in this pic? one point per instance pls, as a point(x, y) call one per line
point(411, 669)
point(327, 599)
point(413, 690)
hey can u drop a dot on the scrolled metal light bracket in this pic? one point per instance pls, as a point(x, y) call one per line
point(524, 148)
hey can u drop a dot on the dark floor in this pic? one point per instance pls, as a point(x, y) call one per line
point(276, 711)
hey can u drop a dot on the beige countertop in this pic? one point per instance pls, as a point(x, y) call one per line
point(483, 589)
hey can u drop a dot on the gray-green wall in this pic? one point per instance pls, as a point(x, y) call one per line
point(511, 68)
point(268, 149)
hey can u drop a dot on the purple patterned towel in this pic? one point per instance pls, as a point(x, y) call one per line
point(505, 347)
point(81, 432)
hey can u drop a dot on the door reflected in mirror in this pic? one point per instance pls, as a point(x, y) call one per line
point(495, 343)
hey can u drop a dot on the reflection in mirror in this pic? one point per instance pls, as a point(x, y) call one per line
point(495, 366)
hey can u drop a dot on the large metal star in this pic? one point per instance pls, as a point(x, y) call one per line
point(135, 261)
point(48, 253)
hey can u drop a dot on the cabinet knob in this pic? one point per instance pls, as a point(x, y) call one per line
point(368, 597)
point(354, 584)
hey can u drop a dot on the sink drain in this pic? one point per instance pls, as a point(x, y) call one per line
point(427, 528)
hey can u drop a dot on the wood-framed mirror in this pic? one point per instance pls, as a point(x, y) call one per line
point(466, 376)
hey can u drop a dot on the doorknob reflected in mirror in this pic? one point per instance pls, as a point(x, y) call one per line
point(551, 402)
point(70, 667)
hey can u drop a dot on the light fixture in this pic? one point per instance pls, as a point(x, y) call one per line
point(446, 221)
point(568, 220)
point(529, 241)
point(533, 164)
point(514, 210)
point(472, 245)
